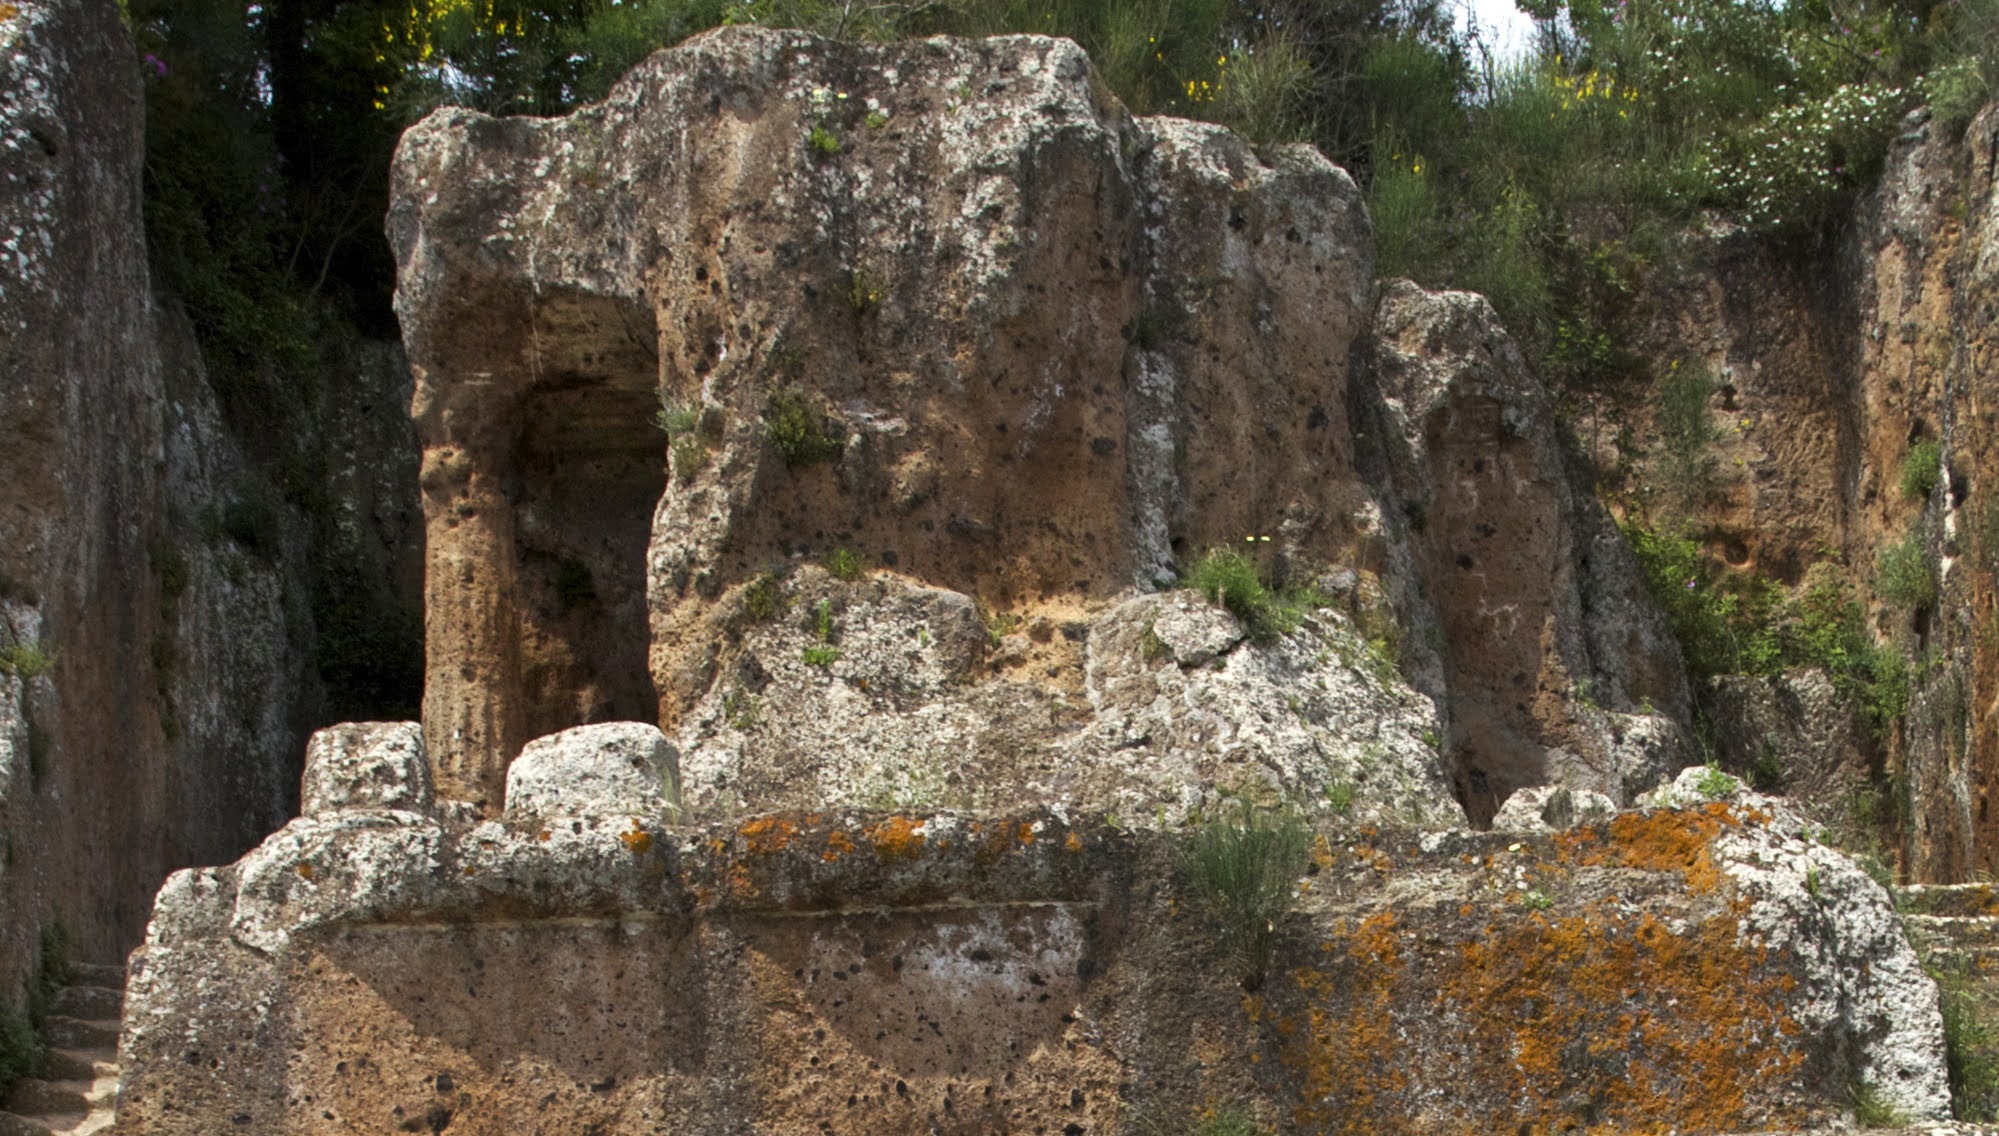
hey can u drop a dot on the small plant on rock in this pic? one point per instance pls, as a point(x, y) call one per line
point(1227, 1120)
point(822, 653)
point(845, 565)
point(796, 431)
point(1231, 579)
point(762, 598)
point(864, 291)
point(1716, 785)
point(1241, 864)
point(1922, 470)
point(1905, 573)
point(823, 141)
point(26, 660)
point(1870, 1110)
point(1971, 1051)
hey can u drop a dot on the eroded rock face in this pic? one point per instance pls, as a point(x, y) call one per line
point(1156, 706)
point(1025, 348)
point(1706, 968)
point(1558, 666)
point(361, 765)
point(614, 769)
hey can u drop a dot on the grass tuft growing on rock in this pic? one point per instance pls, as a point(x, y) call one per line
point(1869, 1109)
point(1241, 864)
point(762, 598)
point(1970, 1050)
point(1227, 1120)
point(26, 660)
point(1905, 573)
point(1232, 580)
point(845, 565)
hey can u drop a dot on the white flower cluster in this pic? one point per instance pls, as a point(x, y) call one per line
point(1786, 168)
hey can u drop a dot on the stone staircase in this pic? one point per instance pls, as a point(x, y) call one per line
point(82, 1068)
point(1956, 926)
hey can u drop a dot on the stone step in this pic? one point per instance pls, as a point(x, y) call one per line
point(1978, 964)
point(69, 1124)
point(90, 1001)
point(80, 1064)
point(1948, 899)
point(34, 1097)
point(82, 1033)
point(98, 974)
point(1953, 930)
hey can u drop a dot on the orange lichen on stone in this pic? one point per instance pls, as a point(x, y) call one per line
point(1667, 841)
point(1074, 843)
point(1645, 1026)
point(1322, 851)
point(837, 845)
point(543, 835)
point(1346, 1052)
point(1586, 1023)
point(896, 838)
point(636, 838)
point(1026, 833)
point(305, 870)
point(767, 836)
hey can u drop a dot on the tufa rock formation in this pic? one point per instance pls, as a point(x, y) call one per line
point(580, 964)
point(945, 311)
point(815, 762)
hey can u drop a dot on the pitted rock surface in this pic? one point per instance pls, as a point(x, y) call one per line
point(1706, 968)
point(1552, 651)
point(610, 769)
point(366, 765)
point(1045, 353)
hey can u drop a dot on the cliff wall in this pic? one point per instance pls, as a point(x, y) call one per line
point(162, 608)
point(1853, 427)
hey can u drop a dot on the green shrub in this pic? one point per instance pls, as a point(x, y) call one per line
point(1870, 1110)
point(796, 430)
point(820, 655)
point(1722, 622)
point(690, 456)
point(863, 290)
point(1971, 1051)
point(763, 598)
point(1716, 785)
point(1905, 572)
point(822, 621)
point(1340, 796)
point(824, 141)
point(26, 660)
point(1232, 580)
point(1921, 470)
point(1241, 864)
point(677, 419)
point(1266, 90)
point(1686, 434)
point(845, 565)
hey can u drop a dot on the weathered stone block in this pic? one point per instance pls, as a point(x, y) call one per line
point(611, 769)
point(366, 765)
